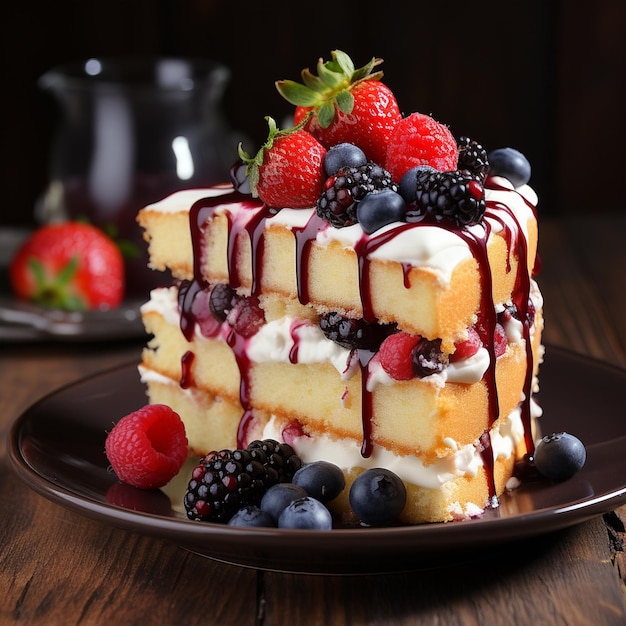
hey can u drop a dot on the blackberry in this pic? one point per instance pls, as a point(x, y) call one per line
point(222, 299)
point(457, 197)
point(344, 190)
point(278, 458)
point(354, 333)
point(427, 358)
point(473, 158)
point(226, 481)
point(511, 311)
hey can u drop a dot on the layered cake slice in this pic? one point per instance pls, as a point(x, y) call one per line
point(363, 290)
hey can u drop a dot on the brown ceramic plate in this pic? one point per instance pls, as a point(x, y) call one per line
point(57, 447)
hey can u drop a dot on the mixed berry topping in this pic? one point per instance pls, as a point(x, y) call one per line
point(511, 164)
point(357, 159)
point(345, 189)
point(456, 197)
point(473, 158)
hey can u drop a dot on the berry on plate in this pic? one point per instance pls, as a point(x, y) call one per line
point(559, 456)
point(278, 497)
point(306, 514)
point(377, 496)
point(420, 140)
point(69, 265)
point(228, 480)
point(252, 516)
point(321, 480)
point(288, 170)
point(148, 447)
point(345, 104)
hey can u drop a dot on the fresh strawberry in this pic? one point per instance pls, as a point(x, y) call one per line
point(287, 172)
point(344, 104)
point(147, 447)
point(396, 355)
point(420, 140)
point(69, 265)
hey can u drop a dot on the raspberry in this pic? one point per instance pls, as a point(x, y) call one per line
point(500, 340)
point(148, 447)
point(246, 317)
point(468, 347)
point(395, 355)
point(420, 140)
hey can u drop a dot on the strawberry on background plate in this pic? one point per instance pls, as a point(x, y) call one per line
point(287, 172)
point(345, 104)
point(69, 265)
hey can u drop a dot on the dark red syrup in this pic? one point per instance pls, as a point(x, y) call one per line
point(253, 227)
point(186, 362)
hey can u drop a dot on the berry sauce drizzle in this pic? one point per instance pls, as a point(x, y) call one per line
point(485, 326)
point(199, 216)
point(186, 377)
point(253, 224)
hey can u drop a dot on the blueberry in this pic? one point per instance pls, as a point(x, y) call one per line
point(377, 496)
point(306, 513)
point(343, 155)
point(379, 208)
point(321, 480)
point(278, 497)
point(239, 177)
point(252, 516)
point(559, 456)
point(511, 164)
point(408, 183)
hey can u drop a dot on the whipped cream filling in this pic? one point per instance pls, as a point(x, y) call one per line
point(290, 340)
point(461, 461)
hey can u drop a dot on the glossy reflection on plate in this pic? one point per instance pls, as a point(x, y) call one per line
point(57, 447)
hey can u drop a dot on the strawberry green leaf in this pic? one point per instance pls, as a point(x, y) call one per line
point(39, 273)
point(345, 102)
point(67, 273)
point(312, 81)
point(332, 85)
point(344, 62)
point(297, 94)
point(326, 114)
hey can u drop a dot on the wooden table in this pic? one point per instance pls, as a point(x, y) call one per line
point(58, 567)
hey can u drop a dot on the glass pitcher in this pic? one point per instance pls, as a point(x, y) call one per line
point(130, 132)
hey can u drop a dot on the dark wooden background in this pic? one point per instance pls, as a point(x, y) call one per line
point(544, 76)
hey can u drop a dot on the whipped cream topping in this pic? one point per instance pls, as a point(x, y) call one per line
point(181, 201)
point(425, 246)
